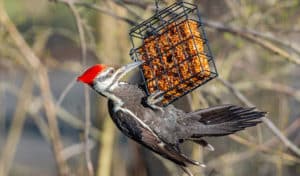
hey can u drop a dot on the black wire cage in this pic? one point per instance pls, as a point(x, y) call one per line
point(173, 45)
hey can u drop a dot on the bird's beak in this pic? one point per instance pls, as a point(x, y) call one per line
point(127, 68)
point(121, 72)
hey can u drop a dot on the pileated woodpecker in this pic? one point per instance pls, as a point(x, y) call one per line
point(162, 129)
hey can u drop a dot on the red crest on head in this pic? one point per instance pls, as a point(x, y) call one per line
point(90, 74)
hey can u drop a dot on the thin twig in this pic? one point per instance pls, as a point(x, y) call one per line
point(77, 149)
point(271, 86)
point(267, 121)
point(254, 38)
point(280, 40)
point(65, 92)
point(99, 9)
point(75, 122)
point(80, 29)
point(52, 120)
point(107, 12)
point(108, 133)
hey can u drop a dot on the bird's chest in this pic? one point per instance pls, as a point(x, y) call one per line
point(168, 126)
point(163, 123)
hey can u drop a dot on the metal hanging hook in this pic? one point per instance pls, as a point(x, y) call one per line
point(156, 6)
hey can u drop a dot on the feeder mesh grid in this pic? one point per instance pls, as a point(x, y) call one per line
point(175, 51)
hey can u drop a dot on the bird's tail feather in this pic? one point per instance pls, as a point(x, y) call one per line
point(224, 120)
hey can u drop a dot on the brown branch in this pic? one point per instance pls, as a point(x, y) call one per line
point(254, 38)
point(75, 122)
point(269, 36)
point(100, 9)
point(267, 121)
point(270, 86)
point(65, 92)
point(77, 149)
point(36, 68)
point(107, 12)
point(52, 120)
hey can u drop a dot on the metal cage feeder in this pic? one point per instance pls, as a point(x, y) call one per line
point(173, 45)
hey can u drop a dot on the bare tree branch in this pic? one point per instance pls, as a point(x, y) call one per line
point(77, 149)
point(100, 9)
point(254, 38)
point(267, 121)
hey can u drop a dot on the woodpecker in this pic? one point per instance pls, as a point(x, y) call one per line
point(163, 129)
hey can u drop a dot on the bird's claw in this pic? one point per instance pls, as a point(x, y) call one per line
point(155, 98)
point(209, 147)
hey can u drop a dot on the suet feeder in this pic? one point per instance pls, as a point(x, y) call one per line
point(173, 45)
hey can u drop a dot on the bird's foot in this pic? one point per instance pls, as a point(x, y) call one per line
point(202, 165)
point(204, 144)
point(155, 98)
point(209, 147)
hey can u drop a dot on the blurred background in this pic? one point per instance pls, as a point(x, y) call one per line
point(44, 114)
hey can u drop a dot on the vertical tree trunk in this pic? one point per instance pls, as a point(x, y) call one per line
point(113, 49)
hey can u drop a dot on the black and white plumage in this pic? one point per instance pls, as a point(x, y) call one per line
point(163, 129)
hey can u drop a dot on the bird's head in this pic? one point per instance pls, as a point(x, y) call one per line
point(102, 77)
point(97, 73)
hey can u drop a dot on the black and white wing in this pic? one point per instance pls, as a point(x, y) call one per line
point(136, 129)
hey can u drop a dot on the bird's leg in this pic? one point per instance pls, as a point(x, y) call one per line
point(155, 98)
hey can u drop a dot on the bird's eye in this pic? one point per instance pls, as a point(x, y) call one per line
point(111, 71)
